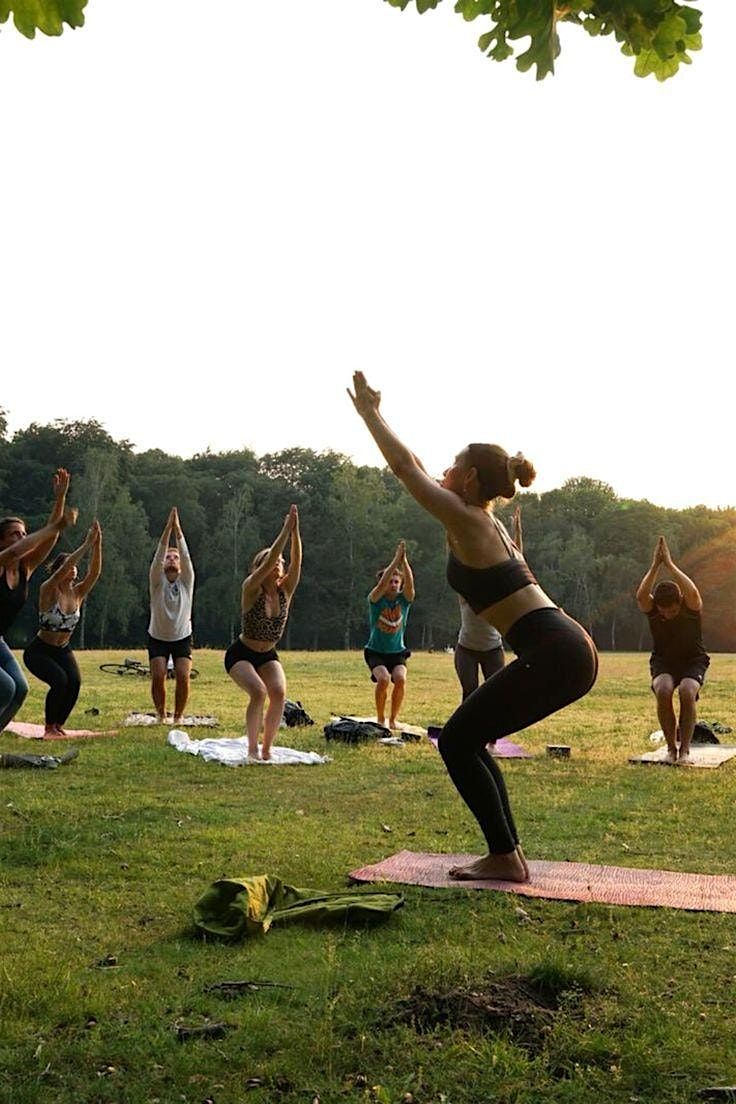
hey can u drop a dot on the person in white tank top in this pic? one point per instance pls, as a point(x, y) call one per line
point(479, 645)
point(171, 589)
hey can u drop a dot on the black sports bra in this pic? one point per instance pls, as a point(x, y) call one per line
point(12, 599)
point(482, 587)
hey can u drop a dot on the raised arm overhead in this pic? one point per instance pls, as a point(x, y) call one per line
point(27, 546)
point(270, 557)
point(61, 486)
point(293, 575)
point(94, 570)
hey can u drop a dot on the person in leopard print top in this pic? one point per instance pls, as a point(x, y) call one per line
point(252, 660)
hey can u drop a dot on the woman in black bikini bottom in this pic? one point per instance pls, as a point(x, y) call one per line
point(252, 660)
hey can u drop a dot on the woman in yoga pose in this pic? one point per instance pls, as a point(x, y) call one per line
point(556, 659)
point(252, 660)
point(20, 555)
point(49, 656)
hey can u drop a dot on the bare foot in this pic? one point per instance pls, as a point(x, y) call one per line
point(49, 732)
point(671, 756)
point(160, 718)
point(505, 868)
point(394, 722)
point(178, 720)
point(381, 721)
point(685, 759)
point(524, 863)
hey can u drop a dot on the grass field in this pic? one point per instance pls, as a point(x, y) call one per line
point(106, 857)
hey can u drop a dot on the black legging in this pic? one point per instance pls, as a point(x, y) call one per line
point(557, 664)
point(57, 667)
point(467, 662)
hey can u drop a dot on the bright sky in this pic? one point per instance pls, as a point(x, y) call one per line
point(214, 213)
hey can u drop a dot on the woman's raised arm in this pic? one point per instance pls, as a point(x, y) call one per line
point(438, 501)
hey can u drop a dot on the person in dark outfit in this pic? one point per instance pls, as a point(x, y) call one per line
point(386, 652)
point(557, 661)
point(49, 656)
point(678, 660)
point(20, 555)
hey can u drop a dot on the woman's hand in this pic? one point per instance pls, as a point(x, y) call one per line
point(69, 517)
point(93, 535)
point(365, 400)
point(401, 551)
point(61, 482)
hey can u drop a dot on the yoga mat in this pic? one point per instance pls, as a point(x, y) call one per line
point(144, 719)
point(567, 881)
point(502, 749)
point(35, 732)
point(703, 755)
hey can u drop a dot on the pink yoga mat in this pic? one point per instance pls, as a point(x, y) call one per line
point(567, 881)
point(502, 749)
point(35, 732)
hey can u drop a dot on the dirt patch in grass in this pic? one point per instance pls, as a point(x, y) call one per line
point(522, 1008)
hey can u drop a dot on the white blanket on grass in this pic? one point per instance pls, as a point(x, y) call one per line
point(234, 752)
point(140, 719)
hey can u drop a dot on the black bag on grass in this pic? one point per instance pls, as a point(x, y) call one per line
point(295, 715)
point(350, 731)
point(703, 733)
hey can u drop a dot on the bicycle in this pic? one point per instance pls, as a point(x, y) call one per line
point(136, 667)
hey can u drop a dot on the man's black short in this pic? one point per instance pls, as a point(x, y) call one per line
point(694, 668)
point(162, 649)
point(389, 660)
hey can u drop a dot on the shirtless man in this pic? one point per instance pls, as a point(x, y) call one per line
point(171, 586)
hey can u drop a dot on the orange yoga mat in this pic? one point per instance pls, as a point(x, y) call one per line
point(568, 881)
point(35, 732)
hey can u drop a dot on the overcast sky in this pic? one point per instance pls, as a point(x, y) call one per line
point(214, 213)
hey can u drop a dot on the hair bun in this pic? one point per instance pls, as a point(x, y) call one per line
point(522, 469)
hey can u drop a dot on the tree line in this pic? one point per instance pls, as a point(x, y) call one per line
point(588, 547)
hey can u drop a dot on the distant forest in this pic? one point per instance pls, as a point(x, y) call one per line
point(588, 547)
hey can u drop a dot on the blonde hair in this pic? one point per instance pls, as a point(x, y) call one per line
point(258, 559)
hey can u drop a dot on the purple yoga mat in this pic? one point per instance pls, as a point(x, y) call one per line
point(502, 749)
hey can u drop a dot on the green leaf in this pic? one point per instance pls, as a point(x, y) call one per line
point(48, 16)
point(660, 34)
point(422, 5)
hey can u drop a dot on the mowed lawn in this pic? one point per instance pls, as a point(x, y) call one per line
point(102, 860)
